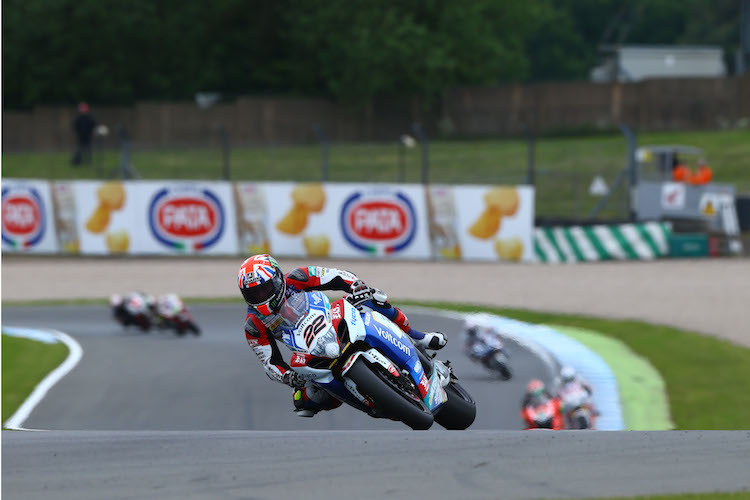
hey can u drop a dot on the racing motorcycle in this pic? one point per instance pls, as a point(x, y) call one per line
point(132, 310)
point(172, 314)
point(490, 353)
point(576, 407)
point(543, 413)
point(365, 360)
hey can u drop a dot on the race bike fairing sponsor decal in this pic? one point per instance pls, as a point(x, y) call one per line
point(379, 221)
point(186, 218)
point(23, 216)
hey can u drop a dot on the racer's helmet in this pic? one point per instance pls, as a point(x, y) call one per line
point(535, 388)
point(567, 374)
point(262, 284)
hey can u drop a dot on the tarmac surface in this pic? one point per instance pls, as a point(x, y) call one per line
point(154, 416)
point(708, 296)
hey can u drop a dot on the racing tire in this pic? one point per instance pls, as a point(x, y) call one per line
point(459, 412)
point(387, 397)
point(194, 328)
point(500, 369)
point(582, 423)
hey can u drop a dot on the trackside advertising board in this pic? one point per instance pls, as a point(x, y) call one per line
point(347, 220)
point(400, 221)
point(27, 217)
point(482, 222)
point(156, 217)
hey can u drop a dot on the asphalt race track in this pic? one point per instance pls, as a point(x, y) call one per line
point(155, 416)
point(128, 380)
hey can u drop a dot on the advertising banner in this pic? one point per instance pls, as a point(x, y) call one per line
point(154, 217)
point(482, 222)
point(27, 220)
point(347, 220)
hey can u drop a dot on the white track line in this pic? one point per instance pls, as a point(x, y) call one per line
point(17, 419)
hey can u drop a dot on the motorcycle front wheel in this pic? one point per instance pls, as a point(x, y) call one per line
point(389, 397)
point(459, 412)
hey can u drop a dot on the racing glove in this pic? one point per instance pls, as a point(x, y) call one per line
point(360, 293)
point(293, 379)
point(433, 340)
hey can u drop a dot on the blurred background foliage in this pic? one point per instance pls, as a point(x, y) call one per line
point(120, 51)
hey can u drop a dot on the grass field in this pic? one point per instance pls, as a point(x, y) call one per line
point(25, 363)
point(565, 166)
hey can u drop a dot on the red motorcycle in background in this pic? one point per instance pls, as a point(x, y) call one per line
point(542, 412)
point(171, 313)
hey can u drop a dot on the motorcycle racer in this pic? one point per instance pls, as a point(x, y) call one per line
point(573, 392)
point(265, 288)
point(134, 308)
point(536, 396)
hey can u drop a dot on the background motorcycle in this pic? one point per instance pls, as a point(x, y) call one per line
point(543, 414)
point(490, 353)
point(365, 360)
point(132, 311)
point(174, 315)
point(576, 406)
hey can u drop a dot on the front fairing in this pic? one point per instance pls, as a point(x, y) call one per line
point(305, 325)
point(384, 335)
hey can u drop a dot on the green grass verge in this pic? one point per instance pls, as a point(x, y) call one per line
point(25, 363)
point(565, 165)
point(707, 379)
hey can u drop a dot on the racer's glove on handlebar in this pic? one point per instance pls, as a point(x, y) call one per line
point(360, 293)
point(293, 379)
point(433, 340)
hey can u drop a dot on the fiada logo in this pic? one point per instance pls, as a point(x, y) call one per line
point(381, 220)
point(186, 218)
point(23, 216)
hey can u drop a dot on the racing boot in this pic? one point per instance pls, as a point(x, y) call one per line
point(309, 400)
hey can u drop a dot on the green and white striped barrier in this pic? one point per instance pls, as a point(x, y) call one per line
point(645, 241)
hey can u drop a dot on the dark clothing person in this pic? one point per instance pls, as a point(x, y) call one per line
point(84, 125)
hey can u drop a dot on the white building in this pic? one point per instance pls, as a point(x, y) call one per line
point(632, 63)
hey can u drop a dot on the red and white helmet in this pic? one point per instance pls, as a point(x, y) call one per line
point(535, 388)
point(262, 284)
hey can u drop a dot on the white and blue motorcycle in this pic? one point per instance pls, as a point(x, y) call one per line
point(365, 360)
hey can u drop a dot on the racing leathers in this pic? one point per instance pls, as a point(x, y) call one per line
point(261, 333)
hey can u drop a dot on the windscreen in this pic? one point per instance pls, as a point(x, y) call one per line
point(294, 309)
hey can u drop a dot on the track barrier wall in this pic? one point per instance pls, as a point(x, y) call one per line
point(642, 241)
point(317, 220)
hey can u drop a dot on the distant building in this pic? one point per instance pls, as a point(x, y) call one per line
point(632, 63)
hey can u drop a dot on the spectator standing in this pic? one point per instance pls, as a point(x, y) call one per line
point(84, 125)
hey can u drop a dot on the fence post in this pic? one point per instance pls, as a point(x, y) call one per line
point(631, 167)
point(324, 145)
point(225, 150)
point(530, 145)
point(422, 137)
point(125, 170)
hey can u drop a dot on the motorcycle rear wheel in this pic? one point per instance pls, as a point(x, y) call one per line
point(459, 412)
point(389, 398)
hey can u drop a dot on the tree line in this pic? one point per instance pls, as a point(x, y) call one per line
point(119, 51)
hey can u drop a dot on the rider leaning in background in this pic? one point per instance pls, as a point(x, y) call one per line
point(265, 288)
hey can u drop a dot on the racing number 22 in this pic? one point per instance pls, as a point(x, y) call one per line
point(314, 328)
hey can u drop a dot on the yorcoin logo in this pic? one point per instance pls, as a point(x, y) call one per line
point(186, 218)
point(23, 217)
point(379, 222)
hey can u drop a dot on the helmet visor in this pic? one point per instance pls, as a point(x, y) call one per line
point(262, 293)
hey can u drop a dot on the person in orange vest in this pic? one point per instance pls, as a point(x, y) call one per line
point(704, 174)
point(680, 173)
